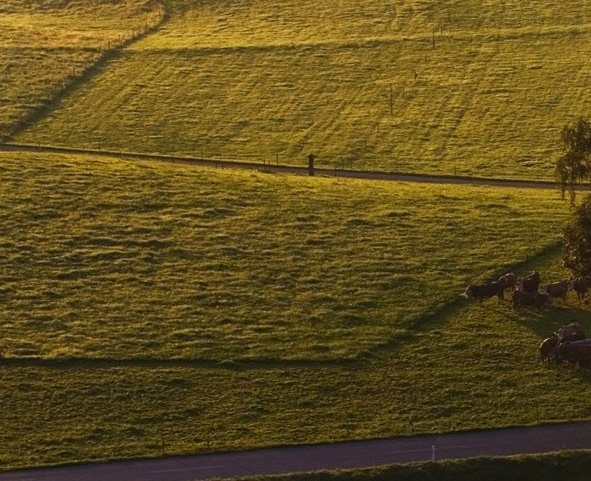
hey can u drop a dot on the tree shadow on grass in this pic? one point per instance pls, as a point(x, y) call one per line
point(544, 322)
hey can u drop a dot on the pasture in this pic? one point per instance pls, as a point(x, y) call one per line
point(221, 265)
point(153, 309)
point(47, 47)
point(466, 88)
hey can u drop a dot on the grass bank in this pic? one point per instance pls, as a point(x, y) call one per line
point(548, 467)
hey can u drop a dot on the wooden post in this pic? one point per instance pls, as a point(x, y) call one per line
point(433, 36)
point(391, 101)
point(311, 158)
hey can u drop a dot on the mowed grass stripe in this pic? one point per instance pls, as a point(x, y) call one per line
point(117, 260)
point(489, 97)
point(46, 48)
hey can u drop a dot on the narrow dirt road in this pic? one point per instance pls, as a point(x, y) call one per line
point(288, 169)
point(351, 455)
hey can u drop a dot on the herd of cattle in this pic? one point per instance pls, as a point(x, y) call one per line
point(527, 291)
point(567, 344)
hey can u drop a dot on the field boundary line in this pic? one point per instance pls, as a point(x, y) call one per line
point(86, 73)
point(159, 362)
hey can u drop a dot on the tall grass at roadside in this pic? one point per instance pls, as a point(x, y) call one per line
point(465, 89)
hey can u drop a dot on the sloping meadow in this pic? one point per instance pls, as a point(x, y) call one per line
point(48, 46)
point(467, 89)
point(151, 309)
point(111, 259)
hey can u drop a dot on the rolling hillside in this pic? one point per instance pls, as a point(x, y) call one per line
point(460, 88)
point(151, 309)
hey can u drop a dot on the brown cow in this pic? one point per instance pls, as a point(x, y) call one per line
point(570, 332)
point(485, 291)
point(547, 347)
point(581, 285)
point(530, 299)
point(508, 280)
point(575, 352)
point(557, 289)
point(530, 283)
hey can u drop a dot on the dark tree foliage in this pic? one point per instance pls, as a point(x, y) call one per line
point(574, 166)
point(576, 253)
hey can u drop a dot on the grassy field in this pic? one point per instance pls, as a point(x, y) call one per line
point(47, 47)
point(467, 88)
point(153, 309)
point(222, 265)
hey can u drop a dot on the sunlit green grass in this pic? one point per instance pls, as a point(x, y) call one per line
point(112, 259)
point(153, 309)
point(467, 89)
point(46, 47)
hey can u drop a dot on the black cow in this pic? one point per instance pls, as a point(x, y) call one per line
point(547, 348)
point(557, 289)
point(508, 280)
point(575, 352)
point(530, 283)
point(486, 291)
point(530, 299)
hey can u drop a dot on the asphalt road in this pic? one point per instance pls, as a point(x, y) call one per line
point(350, 455)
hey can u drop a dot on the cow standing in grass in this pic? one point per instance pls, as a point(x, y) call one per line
point(557, 290)
point(530, 283)
point(581, 285)
point(531, 299)
point(485, 291)
point(547, 348)
point(508, 280)
point(575, 352)
point(550, 349)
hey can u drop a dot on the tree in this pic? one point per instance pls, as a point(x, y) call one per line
point(576, 236)
point(574, 166)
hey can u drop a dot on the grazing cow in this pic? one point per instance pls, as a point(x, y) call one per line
point(530, 283)
point(575, 352)
point(530, 299)
point(508, 280)
point(570, 332)
point(557, 289)
point(485, 291)
point(547, 348)
point(581, 285)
